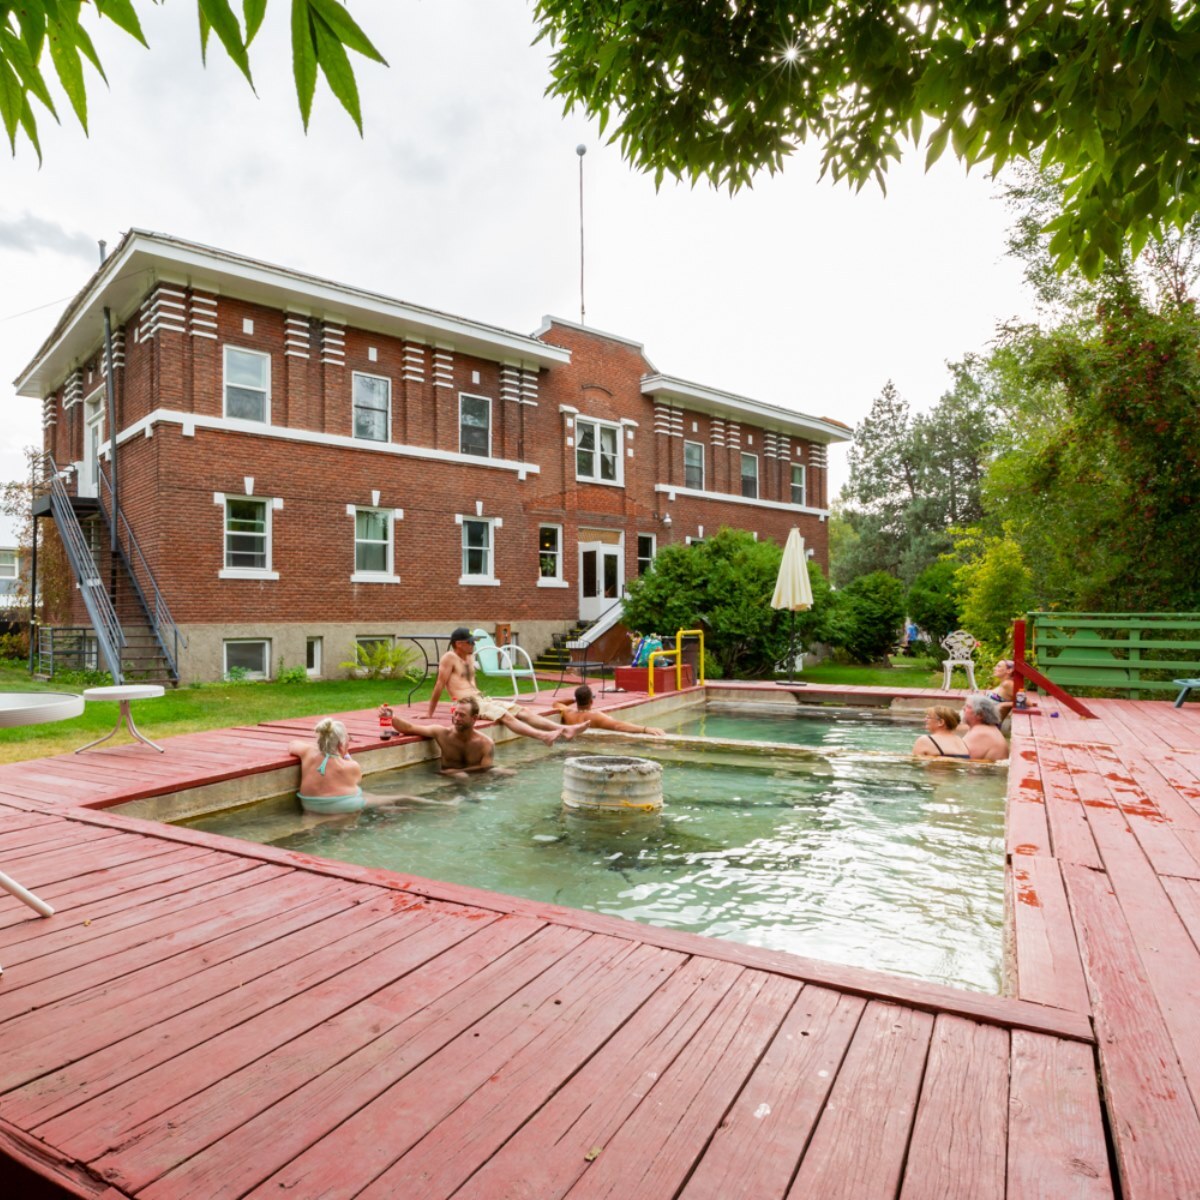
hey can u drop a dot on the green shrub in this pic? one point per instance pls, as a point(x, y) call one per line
point(83, 679)
point(286, 674)
point(868, 617)
point(15, 645)
point(236, 675)
point(933, 601)
point(381, 661)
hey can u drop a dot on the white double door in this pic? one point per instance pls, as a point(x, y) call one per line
point(601, 576)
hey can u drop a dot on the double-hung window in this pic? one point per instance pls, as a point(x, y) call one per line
point(799, 489)
point(693, 465)
point(550, 556)
point(372, 407)
point(750, 476)
point(8, 564)
point(372, 544)
point(248, 536)
point(597, 451)
point(475, 425)
point(247, 385)
point(645, 552)
point(478, 564)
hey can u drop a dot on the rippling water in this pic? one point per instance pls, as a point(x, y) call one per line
point(892, 865)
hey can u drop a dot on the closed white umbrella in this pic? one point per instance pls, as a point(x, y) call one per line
point(793, 590)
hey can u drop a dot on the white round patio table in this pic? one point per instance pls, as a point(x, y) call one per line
point(124, 695)
point(34, 708)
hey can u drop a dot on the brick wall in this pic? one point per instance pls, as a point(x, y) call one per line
point(169, 474)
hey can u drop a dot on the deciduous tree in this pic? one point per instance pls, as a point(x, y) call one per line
point(711, 89)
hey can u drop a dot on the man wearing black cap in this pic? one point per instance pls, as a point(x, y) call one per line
point(456, 675)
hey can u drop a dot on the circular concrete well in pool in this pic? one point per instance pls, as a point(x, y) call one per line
point(612, 783)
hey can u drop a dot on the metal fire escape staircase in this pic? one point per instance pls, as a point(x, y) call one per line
point(134, 630)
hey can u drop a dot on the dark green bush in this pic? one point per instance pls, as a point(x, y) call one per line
point(869, 617)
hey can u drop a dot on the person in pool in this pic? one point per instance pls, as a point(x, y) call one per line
point(582, 714)
point(456, 674)
point(1002, 692)
point(983, 737)
point(465, 751)
point(940, 739)
point(330, 780)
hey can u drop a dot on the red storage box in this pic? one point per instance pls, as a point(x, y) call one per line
point(636, 679)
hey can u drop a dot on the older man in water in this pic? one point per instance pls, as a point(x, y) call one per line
point(983, 737)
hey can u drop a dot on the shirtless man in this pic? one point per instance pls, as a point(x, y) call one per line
point(456, 674)
point(983, 737)
point(465, 751)
point(582, 713)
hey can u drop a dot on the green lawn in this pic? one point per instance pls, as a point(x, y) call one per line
point(219, 705)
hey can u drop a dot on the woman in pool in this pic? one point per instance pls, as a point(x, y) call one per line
point(940, 739)
point(330, 780)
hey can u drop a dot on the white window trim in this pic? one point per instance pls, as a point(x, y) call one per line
point(227, 642)
point(742, 475)
point(493, 523)
point(556, 580)
point(803, 483)
point(354, 377)
point(654, 544)
point(619, 482)
point(386, 576)
point(315, 672)
point(703, 463)
point(16, 565)
point(225, 384)
point(266, 572)
point(491, 424)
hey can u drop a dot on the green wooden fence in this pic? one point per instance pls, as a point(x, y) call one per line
point(1121, 652)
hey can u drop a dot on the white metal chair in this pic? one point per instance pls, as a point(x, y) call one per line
point(960, 651)
point(503, 660)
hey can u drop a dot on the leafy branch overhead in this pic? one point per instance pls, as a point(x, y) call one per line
point(707, 89)
point(32, 31)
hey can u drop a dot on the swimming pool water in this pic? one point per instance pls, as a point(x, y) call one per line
point(892, 865)
point(842, 729)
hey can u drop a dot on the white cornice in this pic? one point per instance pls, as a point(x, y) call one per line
point(144, 258)
point(726, 404)
point(671, 491)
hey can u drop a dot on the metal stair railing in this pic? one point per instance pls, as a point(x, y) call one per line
point(162, 624)
point(109, 634)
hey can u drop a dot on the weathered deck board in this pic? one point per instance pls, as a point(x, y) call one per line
point(1069, 832)
point(872, 1108)
point(1048, 967)
point(965, 1085)
point(1153, 1118)
point(1056, 1146)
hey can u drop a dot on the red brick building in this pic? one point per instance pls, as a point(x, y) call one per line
point(304, 465)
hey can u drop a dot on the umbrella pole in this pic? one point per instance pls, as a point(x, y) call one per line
point(791, 656)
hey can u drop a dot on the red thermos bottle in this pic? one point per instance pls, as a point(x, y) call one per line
point(385, 722)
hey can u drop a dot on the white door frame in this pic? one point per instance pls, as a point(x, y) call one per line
point(591, 607)
point(93, 423)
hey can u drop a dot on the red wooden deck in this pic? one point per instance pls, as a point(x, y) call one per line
point(207, 1018)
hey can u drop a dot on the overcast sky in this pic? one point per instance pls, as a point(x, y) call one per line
point(463, 195)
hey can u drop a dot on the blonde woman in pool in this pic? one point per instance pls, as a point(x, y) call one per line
point(940, 739)
point(330, 780)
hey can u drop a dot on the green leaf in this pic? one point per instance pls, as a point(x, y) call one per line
point(12, 96)
point(29, 124)
point(24, 65)
point(123, 14)
point(343, 27)
point(253, 12)
point(225, 25)
point(333, 62)
point(65, 55)
point(937, 144)
point(205, 30)
point(84, 41)
point(304, 58)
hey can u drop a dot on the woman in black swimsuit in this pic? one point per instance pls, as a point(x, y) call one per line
point(940, 739)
